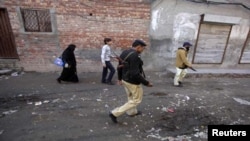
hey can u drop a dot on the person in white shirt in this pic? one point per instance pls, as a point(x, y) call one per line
point(107, 65)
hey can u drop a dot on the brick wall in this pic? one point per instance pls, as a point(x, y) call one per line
point(84, 23)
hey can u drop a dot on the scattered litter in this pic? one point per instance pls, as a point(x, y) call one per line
point(201, 135)
point(171, 110)
point(81, 115)
point(14, 74)
point(86, 99)
point(151, 130)
point(200, 107)
point(129, 136)
point(106, 105)
point(241, 101)
point(239, 121)
point(125, 123)
point(105, 89)
point(164, 109)
point(55, 100)
point(98, 100)
point(38, 103)
point(9, 112)
point(45, 101)
point(20, 95)
point(169, 138)
point(156, 137)
point(72, 98)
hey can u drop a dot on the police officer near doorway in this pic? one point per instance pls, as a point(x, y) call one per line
point(181, 64)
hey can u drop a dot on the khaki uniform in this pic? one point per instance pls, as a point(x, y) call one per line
point(181, 65)
point(134, 94)
point(181, 58)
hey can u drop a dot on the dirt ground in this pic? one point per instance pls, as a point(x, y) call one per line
point(34, 107)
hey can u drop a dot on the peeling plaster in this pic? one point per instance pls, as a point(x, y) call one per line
point(184, 26)
point(155, 18)
point(239, 32)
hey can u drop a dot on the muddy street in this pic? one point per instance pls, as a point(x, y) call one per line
point(33, 106)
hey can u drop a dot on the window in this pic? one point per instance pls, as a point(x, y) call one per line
point(36, 20)
point(245, 53)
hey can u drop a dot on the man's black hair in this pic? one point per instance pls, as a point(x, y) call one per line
point(138, 42)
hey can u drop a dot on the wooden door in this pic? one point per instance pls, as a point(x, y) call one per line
point(7, 42)
point(211, 44)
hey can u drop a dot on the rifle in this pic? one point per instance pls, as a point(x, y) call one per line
point(192, 68)
point(185, 66)
point(123, 61)
point(121, 64)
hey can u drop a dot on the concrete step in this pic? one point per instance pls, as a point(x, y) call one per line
point(213, 72)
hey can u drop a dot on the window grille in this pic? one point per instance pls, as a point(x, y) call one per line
point(36, 20)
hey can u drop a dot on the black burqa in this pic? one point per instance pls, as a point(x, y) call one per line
point(69, 73)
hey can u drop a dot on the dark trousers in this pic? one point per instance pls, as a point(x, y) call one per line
point(109, 67)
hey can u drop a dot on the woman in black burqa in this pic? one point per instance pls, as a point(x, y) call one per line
point(69, 73)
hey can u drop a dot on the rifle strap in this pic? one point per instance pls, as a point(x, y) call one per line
point(123, 60)
point(128, 56)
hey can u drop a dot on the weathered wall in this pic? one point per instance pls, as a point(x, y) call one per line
point(84, 23)
point(176, 21)
point(163, 24)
